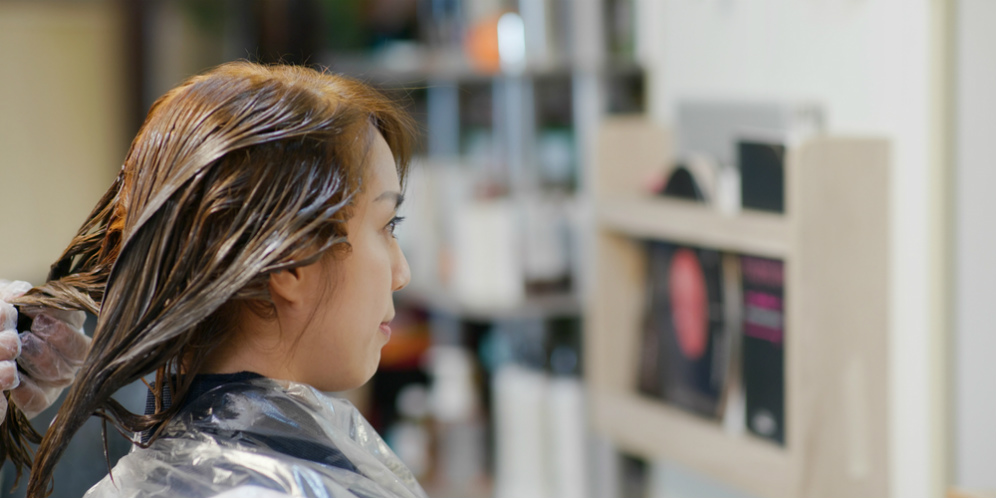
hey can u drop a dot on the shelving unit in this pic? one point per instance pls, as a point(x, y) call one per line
point(834, 240)
point(500, 126)
point(509, 108)
point(757, 233)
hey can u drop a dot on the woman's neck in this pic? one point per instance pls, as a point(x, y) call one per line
point(256, 345)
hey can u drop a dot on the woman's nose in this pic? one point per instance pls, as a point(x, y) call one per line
point(401, 273)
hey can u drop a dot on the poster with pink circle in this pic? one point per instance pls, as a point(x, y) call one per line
point(685, 343)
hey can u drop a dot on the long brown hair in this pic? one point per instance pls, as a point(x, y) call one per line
point(236, 173)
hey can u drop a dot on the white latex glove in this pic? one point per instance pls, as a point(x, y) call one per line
point(50, 353)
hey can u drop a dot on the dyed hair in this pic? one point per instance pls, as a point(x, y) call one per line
point(236, 173)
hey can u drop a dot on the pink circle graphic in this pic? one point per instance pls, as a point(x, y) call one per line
point(689, 303)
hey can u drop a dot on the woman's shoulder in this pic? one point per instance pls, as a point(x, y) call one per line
point(197, 467)
point(169, 467)
point(271, 434)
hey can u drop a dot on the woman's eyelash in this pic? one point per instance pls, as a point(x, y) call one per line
point(393, 224)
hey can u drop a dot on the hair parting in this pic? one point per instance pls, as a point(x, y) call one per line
point(237, 173)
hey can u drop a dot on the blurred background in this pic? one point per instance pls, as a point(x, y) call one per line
point(552, 133)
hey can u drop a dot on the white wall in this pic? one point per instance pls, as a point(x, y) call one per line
point(61, 138)
point(975, 246)
point(868, 61)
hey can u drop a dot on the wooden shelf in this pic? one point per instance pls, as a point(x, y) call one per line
point(835, 238)
point(758, 233)
point(965, 493)
point(644, 426)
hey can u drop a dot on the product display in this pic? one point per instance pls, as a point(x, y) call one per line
point(521, 397)
point(567, 437)
point(764, 346)
point(685, 337)
point(762, 175)
point(459, 419)
point(713, 128)
point(805, 404)
point(682, 185)
point(694, 335)
point(487, 267)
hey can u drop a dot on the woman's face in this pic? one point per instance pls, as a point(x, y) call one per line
point(340, 345)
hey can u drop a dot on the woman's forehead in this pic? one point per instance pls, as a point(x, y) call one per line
point(381, 172)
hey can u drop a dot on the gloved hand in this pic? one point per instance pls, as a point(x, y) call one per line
point(50, 353)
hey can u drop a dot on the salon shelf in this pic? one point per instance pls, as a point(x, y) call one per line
point(835, 241)
point(748, 461)
point(404, 68)
point(763, 234)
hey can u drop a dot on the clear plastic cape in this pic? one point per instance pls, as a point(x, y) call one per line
point(263, 438)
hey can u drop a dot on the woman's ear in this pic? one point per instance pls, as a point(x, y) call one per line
point(290, 287)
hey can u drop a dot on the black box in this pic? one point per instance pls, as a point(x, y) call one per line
point(762, 175)
point(764, 346)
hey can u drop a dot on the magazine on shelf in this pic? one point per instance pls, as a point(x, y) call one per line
point(763, 344)
point(686, 341)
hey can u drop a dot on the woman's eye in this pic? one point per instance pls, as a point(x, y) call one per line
point(393, 224)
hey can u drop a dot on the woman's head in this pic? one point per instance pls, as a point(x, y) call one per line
point(246, 188)
point(331, 318)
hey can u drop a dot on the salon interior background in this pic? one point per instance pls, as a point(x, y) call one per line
point(512, 108)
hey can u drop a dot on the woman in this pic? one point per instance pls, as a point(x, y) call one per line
point(245, 254)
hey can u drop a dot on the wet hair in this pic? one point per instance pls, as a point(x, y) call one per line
point(236, 173)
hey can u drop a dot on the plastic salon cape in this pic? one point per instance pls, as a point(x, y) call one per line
point(260, 439)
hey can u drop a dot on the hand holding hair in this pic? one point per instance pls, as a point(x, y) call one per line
point(49, 354)
point(10, 343)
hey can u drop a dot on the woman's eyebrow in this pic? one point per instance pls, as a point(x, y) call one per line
point(398, 198)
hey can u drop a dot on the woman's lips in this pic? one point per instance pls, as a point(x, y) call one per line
point(385, 329)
